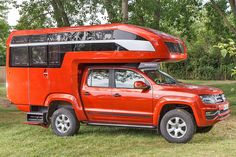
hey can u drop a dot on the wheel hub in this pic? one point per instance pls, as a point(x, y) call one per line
point(62, 123)
point(176, 127)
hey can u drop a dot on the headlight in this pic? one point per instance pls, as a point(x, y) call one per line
point(223, 97)
point(213, 99)
point(208, 99)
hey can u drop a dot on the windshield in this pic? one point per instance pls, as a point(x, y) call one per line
point(160, 77)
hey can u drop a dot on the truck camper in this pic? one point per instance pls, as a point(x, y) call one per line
point(107, 75)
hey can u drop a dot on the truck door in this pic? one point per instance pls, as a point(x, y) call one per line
point(96, 95)
point(38, 75)
point(131, 105)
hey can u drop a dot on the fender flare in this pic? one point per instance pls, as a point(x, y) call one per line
point(162, 102)
point(76, 105)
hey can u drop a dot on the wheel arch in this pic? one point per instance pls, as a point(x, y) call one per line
point(55, 101)
point(164, 107)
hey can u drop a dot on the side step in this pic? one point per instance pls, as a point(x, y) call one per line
point(36, 117)
point(123, 125)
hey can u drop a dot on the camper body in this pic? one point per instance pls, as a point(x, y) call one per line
point(93, 75)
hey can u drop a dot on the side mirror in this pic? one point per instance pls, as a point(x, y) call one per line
point(140, 85)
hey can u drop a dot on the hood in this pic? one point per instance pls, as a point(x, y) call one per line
point(194, 89)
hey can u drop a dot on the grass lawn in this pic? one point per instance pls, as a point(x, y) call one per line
point(17, 139)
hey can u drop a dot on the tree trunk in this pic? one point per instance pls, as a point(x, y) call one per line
point(59, 13)
point(233, 7)
point(157, 14)
point(223, 15)
point(124, 11)
point(63, 13)
point(56, 14)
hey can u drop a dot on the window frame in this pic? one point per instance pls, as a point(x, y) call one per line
point(109, 77)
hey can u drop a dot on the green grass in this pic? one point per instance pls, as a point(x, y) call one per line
point(20, 140)
point(2, 90)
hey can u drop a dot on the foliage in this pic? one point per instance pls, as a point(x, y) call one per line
point(4, 27)
point(4, 31)
point(202, 24)
point(40, 14)
point(229, 47)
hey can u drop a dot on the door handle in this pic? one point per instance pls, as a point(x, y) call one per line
point(45, 73)
point(86, 93)
point(117, 95)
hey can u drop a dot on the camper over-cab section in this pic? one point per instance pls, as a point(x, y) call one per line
point(94, 44)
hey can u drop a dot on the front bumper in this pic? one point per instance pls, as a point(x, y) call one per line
point(214, 113)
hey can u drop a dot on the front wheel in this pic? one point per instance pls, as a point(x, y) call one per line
point(177, 126)
point(64, 122)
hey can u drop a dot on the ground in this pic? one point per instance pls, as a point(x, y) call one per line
point(18, 139)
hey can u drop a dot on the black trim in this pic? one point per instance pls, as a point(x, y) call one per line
point(175, 47)
point(121, 125)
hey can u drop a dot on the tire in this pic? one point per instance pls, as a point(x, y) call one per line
point(206, 129)
point(177, 132)
point(64, 122)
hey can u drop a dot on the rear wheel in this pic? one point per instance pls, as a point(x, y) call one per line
point(177, 126)
point(64, 122)
point(204, 129)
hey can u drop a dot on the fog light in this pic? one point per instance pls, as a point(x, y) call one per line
point(211, 114)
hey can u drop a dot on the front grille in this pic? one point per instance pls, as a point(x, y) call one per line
point(213, 114)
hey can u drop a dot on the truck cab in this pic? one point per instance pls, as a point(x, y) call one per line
point(146, 97)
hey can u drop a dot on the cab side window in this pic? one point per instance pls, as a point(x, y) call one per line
point(98, 78)
point(126, 78)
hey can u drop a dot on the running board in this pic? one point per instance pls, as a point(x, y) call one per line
point(123, 125)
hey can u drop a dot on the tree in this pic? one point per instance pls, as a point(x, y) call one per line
point(60, 13)
point(124, 11)
point(228, 48)
point(4, 31)
point(52, 13)
point(223, 14)
point(3, 9)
